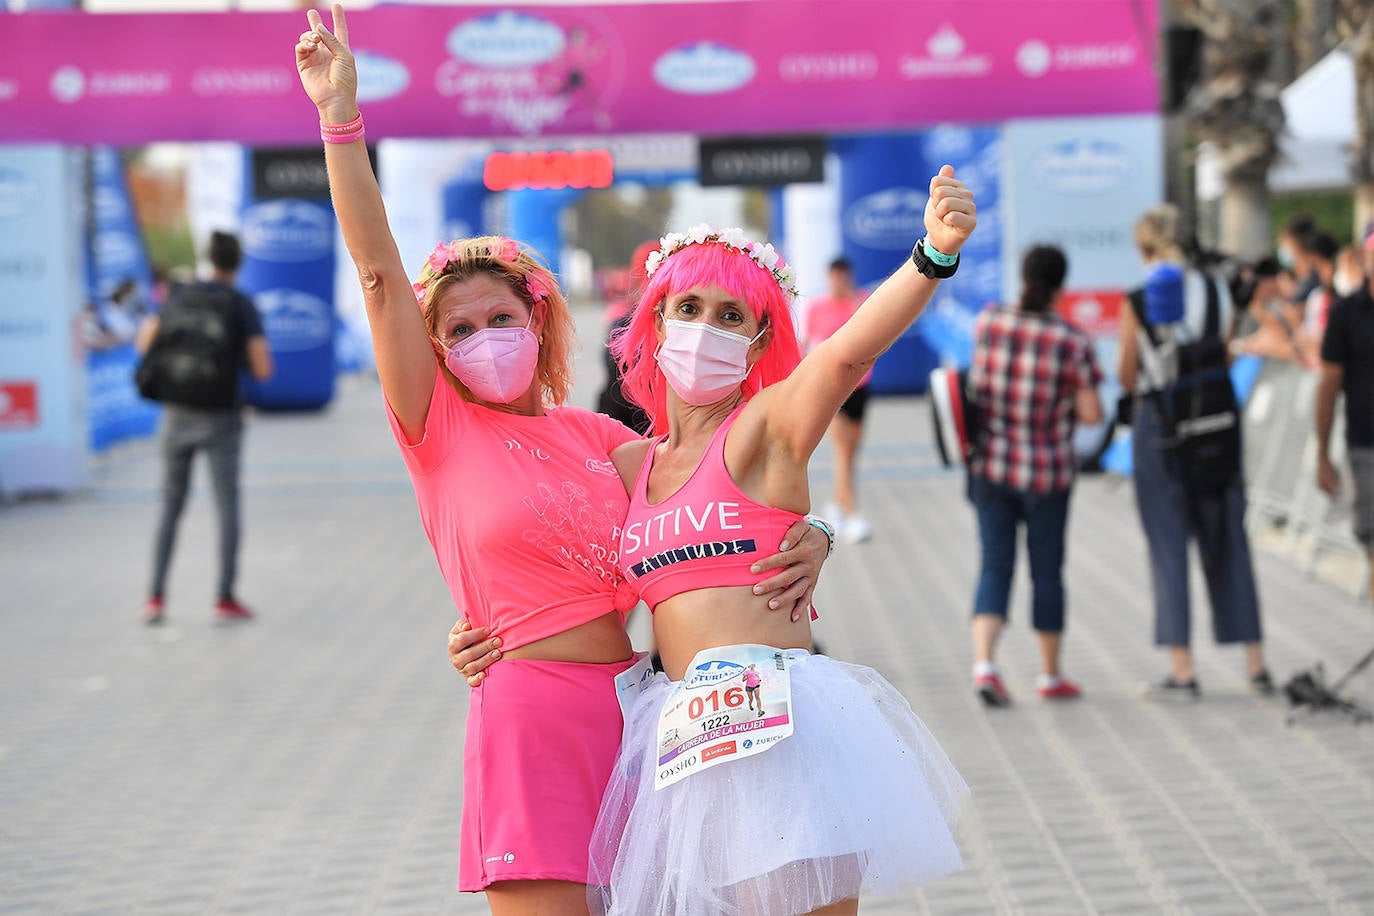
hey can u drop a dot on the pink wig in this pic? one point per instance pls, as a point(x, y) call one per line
point(704, 264)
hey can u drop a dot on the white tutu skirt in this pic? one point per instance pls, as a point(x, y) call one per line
point(859, 800)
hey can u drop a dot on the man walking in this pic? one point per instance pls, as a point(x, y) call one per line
point(1347, 365)
point(193, 353)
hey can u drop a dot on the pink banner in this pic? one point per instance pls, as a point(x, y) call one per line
point(751, 66)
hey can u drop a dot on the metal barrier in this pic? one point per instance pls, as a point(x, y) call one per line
point(1281, 467)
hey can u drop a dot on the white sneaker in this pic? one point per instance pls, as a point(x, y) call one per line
point(857, 529)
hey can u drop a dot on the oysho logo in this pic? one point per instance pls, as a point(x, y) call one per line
point(1083, 166)
point(947, 58)
point(20, 195)
point(887, 219)
point(212, 82)
point(287, 230)
point(294, 320)
point(855, 66)
point(506, 39)
point(713, 672)
point(1035, 58)
point(704, 68)
point(379, 77)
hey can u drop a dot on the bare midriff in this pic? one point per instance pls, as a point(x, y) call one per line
point(706, 618)
point(598, 642)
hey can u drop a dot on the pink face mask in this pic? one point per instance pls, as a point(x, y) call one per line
point(701, 362)
point(497, 364)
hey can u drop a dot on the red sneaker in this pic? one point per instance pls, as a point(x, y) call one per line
point(1063, 689)
point(152, 611)
point(991, 690)
point(228, 610)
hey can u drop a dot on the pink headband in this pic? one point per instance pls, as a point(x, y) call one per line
point(502, 249)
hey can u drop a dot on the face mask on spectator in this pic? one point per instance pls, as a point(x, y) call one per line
point(1346, 284)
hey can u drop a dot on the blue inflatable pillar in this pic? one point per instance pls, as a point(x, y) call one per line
point(882, 207)
point(533, 218)
point(464, 202)
point(288, 269)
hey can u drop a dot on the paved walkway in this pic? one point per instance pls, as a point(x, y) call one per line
point(310, 762)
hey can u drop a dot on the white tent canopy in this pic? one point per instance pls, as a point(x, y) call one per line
point(1314, 151)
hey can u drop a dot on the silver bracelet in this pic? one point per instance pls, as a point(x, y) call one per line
point(825, 528)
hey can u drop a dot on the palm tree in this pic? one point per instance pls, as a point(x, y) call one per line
point(1355, 24)
point(1236, 107)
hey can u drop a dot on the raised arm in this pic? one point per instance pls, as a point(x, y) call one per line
point(406, 361)
point(801, 406)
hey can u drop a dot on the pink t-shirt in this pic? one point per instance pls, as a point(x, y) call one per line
point(825, 315)
point(752, 679)
point(524, 513)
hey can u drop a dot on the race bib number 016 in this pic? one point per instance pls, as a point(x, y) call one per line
point(733, 702)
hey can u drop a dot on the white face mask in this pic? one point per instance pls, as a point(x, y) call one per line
point(1347, 284)
point(701, 362)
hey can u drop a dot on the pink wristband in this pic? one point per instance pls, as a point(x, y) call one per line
point(341, 138)
point(342, 133)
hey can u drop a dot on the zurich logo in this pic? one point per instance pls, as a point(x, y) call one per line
point(887, 219)
point(704, 68)
point(115, 249)
point(19, 194)
point(109, 204)
point(506, 39)
point(713, 672)
point(1083, 166)
point(379, 77)
point(287, 230)
point(294, 320)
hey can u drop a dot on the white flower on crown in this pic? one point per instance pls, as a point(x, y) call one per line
point(761, 253)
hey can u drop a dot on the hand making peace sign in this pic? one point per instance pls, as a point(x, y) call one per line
point(326, 67)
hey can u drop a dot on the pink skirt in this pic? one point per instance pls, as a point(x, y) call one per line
point(542, 739)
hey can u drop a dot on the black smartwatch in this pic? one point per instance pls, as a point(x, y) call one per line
point(927, 266)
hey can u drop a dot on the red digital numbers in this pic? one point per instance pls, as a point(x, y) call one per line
point(714, 702)
point(583, 168)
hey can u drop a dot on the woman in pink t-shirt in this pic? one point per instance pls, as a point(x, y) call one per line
point(522, 507)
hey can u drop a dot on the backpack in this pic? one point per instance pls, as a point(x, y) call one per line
point(1198, 409)
point(195, 356)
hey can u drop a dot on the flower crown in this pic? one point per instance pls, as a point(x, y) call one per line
point(762, 253)
point(502, 249)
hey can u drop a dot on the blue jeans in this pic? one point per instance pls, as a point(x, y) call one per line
point(1000, 510)
point(1171, 517)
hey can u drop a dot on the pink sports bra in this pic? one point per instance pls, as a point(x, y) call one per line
point(705, 535)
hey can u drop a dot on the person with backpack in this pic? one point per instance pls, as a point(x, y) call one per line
point(193, 353)
point(1186, 450)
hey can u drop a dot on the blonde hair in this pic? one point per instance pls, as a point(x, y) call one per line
point(1158, 235)
point(523, 272)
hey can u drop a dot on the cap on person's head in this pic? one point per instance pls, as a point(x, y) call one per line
point(1164, 294)
point(842, 263)
point(1323, 245)
point(1267, 266)
point(225, 252)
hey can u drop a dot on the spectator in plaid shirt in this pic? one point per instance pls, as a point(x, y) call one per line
point(1033, 376)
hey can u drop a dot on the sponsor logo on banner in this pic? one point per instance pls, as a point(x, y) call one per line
point(893, 218)
point(713, 672)
point(109, 204)
point(213, 82)
point(116, 250)
point(1035, 58)
point(705, 68)
point(506, 39)
point(18, 405)
point(949, 141)
point(946, 57)
point(20, 195)
point(294, 320)
point(1094, 311)
point(25, 266)
point(9, 89)
point(1084, 166)
point(287, 230)
point(838, 67)
point(379, 77)
point(70, 84)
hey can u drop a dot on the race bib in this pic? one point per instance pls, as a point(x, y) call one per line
point(733, 702)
